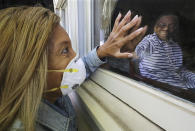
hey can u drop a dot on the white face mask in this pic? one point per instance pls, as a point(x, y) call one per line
point(73, 76)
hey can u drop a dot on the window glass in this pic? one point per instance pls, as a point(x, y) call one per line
point(166, 54)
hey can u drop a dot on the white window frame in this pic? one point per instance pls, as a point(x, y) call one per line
point(77, 19)
point(167, 111)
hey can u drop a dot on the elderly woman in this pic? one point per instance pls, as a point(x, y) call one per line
point(160, 56)
point(38, 69)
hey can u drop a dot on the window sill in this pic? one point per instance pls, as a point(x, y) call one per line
point(167, 111)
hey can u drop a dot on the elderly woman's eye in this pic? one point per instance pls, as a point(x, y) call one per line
point(64, 51)
point(162, 25)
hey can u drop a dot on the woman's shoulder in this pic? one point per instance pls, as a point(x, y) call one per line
point(17, 125)
point(150, 36)
point(147, 40)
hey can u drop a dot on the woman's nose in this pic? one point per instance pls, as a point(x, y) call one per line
point(73, 53)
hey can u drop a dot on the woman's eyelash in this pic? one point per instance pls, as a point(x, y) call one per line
point(64, 51)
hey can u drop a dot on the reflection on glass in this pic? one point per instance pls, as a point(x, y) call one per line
point(160, 56)
point(166, 56)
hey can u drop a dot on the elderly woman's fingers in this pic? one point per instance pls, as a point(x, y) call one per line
point(116, 22)
point(144, 32)
point(124, 55)
point(124, 21)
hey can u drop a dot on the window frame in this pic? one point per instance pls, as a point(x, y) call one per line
point(170, 113)
point(172, 105)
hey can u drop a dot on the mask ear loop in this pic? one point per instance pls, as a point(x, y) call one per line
point(65, 86)
point(66, 70)
point(55, 89)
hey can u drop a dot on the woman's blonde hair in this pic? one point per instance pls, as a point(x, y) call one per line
point(24, 34)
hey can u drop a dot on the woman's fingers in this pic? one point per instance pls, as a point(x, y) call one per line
point(139, 38)
point(138, 34)
point(128, 26)
point(124, 21)
point(119, 37)
point(137, 24)
point(116, 22)
point(132, 36)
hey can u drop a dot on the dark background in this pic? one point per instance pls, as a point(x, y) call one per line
point(10, 3)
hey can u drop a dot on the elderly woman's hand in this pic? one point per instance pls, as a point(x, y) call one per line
point(121, 38)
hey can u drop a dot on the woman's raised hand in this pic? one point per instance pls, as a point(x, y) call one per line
point(125, 35)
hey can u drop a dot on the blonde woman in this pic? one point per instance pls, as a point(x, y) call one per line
point(36, 64)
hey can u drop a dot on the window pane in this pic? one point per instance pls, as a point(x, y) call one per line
point(166, 54)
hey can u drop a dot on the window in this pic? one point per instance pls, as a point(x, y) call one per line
point(134, 94)
point(168, 64)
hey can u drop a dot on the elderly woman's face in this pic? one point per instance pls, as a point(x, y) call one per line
point(165, 27)
point(60, 54)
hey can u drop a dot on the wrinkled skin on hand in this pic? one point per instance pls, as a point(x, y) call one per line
point(124, 37)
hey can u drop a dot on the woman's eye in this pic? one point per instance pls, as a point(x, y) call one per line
point(64, 51)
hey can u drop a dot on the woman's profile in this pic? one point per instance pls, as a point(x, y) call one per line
point(35, 56)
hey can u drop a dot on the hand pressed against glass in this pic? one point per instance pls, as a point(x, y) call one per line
point(119, 37)
point(166, 26)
